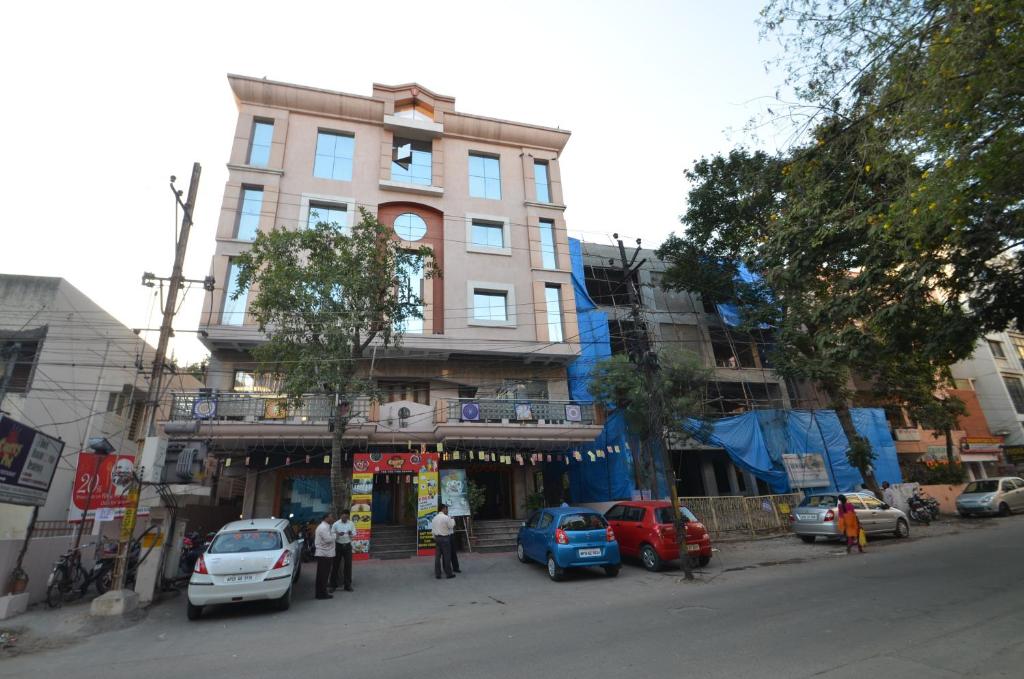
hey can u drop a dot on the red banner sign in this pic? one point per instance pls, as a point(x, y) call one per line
point(101, 482)
point(390, 463)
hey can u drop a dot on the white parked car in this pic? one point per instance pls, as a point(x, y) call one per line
point(252, 560)
point(1002, 496)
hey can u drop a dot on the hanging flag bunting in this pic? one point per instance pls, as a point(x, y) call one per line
point(246, 461)
point(519, 459)
point(440, 447)
point(566, 458)
point(617, 450)
point(287, 461)
point(408, 444)
point(327, 459)
point(576, 454)
point(307, 459)
point(227, 462)
point(600, 453)
point(549, 458)
point(266, 460)
point(458, 455)
point(591, 456)
point(610, 449)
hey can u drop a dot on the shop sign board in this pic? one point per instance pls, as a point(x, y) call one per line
point(455, 491)
point(101, 482)
point(806, 470)
point(28, 460)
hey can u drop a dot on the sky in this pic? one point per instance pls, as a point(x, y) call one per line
point(104, 101)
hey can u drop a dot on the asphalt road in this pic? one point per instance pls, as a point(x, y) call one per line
point(947, 606)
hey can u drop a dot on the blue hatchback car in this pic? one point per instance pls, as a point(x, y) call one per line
point(568, 537)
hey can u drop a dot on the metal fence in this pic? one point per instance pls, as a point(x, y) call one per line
point(737, 516)
point(530, 410)
point(56, 529)
point(243, 407)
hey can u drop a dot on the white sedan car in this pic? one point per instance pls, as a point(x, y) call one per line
point(249, 560)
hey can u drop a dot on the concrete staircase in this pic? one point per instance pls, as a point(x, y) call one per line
point(392, 542)
point(495, 536)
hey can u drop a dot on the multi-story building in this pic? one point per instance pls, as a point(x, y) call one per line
point(498, 329)
point(995, 371)
point(742, 375)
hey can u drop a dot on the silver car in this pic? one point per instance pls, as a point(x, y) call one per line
point(816, 516)
point(1002, 496)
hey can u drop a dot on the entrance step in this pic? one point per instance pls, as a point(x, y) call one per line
point(392, 542)
point(495, 536)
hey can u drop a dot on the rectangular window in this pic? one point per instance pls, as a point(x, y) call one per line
point(234, 309)
point(411, 277)
point(247, 381)
point(417, 392)
point(259, 146)
point(548, 255)
point(412, 162)
point(553, 300)
point(322, 213)
point(249, 213)
point(997, 348)
point(488, 234)
point(23, 350)
point(334, 156)
point(484, 177)
point(1018, 344)
point(1016, 389)
point(542, 181)
point(490, 306)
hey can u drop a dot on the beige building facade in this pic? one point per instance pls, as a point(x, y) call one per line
point(499, 327)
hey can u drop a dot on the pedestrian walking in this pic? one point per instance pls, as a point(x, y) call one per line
point(344, 530)
point(442, 528)
point(849, 524)
point(325, 550)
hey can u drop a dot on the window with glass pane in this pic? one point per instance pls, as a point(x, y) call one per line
point(489, 306)
point(259, 147)
point(1016, 389)
point(484, 177)
point(548, 255)
point(249, 213)
point(334, 156)
point(540, 178)
point(410, 226)
point(411, 162)
point(322, 213)
point(553, 299)
point(234, 309)
point(411, 276)
point(1018, 344)
point(488, 234)
point(997, 349)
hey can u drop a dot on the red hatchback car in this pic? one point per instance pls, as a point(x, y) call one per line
point(644, 529)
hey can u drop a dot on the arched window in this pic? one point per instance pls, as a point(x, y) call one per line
point(410, 226)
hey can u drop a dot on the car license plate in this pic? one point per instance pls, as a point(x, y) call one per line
point(806, 517)
point(589, 552)
point(239, 578)
point(693, 548)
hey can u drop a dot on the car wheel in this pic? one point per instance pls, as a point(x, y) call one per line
point(649, 557)
point(612, 571)
point(193, 612)
point(1004, 509)
point(902, 528)
point(704, 561)
point(521, 553)
point(555, 571)
point(807, 538)
point(285, 601)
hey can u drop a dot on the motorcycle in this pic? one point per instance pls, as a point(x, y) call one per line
point(919, 510)
point(930, 504)
point(191, 548)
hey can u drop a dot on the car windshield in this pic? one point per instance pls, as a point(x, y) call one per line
point(986, 486)
point(820, 501)
point(665, 515)
point(240, 541)
point(582, 522)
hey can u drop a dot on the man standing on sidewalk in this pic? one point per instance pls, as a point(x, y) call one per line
point(324, 542)
point(343, 530)
point(442, 528)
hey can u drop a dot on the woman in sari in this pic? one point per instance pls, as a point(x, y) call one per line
point(848, 524)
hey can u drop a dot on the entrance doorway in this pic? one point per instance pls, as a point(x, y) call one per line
point(394, 500)
point(497, 486)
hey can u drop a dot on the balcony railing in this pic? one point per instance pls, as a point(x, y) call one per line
point(522, 410)
point(267, 408)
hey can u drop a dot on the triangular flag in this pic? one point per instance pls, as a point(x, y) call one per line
point(409, 445)
point(247, 461)
point(266, 460)
point(600, 453)
point(327, 459)
point(287, 461)
point(549, 458)
point(307, 459)
point(519, 459)
point(610, 449)
point(566, 459)
point(576, 454)
point(440, 447)
point(227, 462)
point(617, 449)
point(592, 458)
point(456, 455)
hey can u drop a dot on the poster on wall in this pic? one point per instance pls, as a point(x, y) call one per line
point(427, 495)
point(101, 482)
point(807, 470)
point(455, 491)
point(28, 460)
point(362, 500)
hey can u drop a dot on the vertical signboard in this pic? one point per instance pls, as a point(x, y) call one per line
point(427, 503)
point(362, 501)
point(455, 491)
point(28, 460)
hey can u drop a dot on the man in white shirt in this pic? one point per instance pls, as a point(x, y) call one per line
point(344, 530)
point(323, 540)
point(888, 494)
point(442, 528)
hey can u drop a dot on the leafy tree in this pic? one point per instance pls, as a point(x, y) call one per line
point(680, 381)
point(323, 296)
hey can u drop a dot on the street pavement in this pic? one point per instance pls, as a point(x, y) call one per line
point(945, 606)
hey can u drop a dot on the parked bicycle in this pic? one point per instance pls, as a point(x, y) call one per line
point(69, 580)
point(67, 577)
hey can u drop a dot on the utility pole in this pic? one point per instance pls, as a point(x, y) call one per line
point(646, 360)
point(159, 360)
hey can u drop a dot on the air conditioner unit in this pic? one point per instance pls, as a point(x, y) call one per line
point(191, 460)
